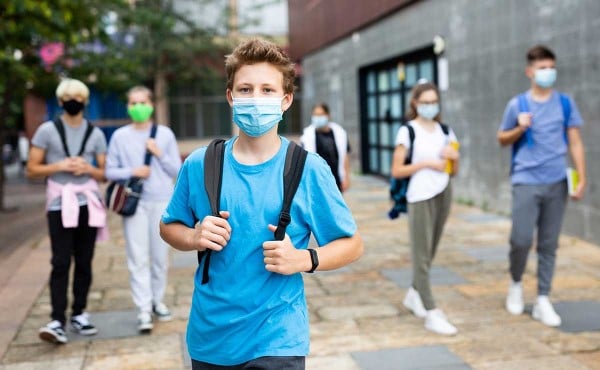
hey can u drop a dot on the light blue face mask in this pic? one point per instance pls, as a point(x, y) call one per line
point(256, 116)
point(545, 78)
point(428, 111)
point(319, 121)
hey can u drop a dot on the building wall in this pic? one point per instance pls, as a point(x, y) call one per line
point(331, 20)
point(486, 42)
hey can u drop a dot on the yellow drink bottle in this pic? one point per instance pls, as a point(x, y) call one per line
point(450, 163)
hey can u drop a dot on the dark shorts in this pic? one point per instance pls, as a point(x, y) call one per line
point(261, 363)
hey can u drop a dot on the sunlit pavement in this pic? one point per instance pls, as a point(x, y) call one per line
point(357, 317)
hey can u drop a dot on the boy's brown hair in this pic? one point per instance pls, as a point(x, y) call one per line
point(539, 52)
point(258, 50)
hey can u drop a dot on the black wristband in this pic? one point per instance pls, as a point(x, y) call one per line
point(314, 258)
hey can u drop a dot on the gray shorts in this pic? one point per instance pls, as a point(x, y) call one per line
point(261, 363)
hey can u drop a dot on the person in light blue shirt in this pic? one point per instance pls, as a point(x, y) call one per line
point(147, 253)
point(252, 312)
point(542, 125)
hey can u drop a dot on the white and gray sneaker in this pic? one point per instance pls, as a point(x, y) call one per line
point(437, 322)
point(161, 311)
point(81, 324)
point(413, 302)
point(514, 299)
point(544, 312)
point(145, 322)
point(53, 332)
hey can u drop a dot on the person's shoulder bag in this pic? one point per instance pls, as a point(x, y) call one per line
point(122, 196)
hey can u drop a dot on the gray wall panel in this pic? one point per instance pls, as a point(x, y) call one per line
point(486, 42)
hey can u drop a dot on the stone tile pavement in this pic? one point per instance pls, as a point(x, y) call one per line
point(357, 318)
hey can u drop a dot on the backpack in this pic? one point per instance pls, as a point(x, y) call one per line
point(527, 137)
point(63, 138)
point(213, 172)
point(399, 187)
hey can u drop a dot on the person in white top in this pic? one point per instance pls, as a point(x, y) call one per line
point(429, 195)
point(330, 141)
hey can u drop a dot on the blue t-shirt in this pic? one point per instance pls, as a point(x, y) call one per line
point(545, 161)
point(244, 311)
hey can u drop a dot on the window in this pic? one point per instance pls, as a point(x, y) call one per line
point(384, 97)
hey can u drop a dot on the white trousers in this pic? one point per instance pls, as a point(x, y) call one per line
point(147, 254)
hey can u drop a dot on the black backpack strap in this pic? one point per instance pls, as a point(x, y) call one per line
point(148, 156)
point(292, 174)
point(411, 137)
point(213, 174)
point(61, 131)
point(445, 129)
point(63, 138)
point(88, 132)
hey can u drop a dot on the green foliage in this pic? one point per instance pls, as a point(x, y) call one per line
point(145, 38)
point(153, 37)
point(26, 26)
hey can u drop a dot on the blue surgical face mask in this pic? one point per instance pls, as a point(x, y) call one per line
point(319, 121)
point(428, 111)
point(545, 78)
point(256, 116)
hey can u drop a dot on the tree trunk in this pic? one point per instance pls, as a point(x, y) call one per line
point(161, 99)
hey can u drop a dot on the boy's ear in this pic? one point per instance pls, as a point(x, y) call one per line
point(286, 102)
point(229, 96)
point(529, 72)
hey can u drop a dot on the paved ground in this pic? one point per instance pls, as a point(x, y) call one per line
point(357, 318)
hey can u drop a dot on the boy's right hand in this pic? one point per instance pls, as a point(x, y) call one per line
point(213, 232)
point(141, 172)
point(68, 164)
point(524, 120)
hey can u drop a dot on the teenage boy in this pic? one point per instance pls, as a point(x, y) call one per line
point(64, 151)
point(147, 253)
point(541, 130)
point(252, 312)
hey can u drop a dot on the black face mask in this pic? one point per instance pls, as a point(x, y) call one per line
point(73, 107)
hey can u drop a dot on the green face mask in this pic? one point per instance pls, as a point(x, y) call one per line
point(140, 112)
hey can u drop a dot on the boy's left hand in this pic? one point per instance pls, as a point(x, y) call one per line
point(153, 148)
point(579, 191)
point(82, 167)
point(283, 258)
point(450, 153)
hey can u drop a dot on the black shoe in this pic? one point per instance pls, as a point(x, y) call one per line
point(81, 324)
point(53, 332)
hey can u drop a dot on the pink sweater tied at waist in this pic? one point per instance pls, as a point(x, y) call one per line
point(70, 205)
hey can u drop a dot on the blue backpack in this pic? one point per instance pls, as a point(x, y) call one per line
point(527, 137)
point(399, 187)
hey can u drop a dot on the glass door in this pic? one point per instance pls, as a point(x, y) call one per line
point(384, 97)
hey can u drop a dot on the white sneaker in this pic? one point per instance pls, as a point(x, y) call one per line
point(145, 322)
point(162, 313)
point(437, 322)
point(413, 302)
point(544, 312)
point(514, 299)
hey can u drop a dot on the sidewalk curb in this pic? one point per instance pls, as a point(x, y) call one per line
point(22, 290)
